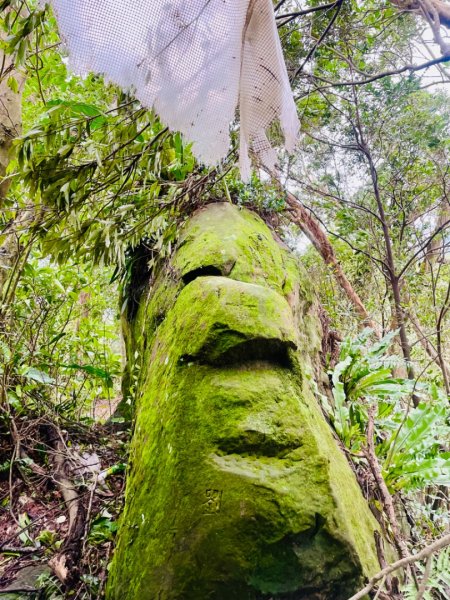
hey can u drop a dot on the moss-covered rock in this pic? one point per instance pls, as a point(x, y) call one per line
point(237, 488)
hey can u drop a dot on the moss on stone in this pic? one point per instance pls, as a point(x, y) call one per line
point(237, 488)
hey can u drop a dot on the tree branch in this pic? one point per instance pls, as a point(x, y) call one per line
point(440, 8)
point(300, 13)
point(311, 228)
point(439, 544)
point(385, 495)
point(410, 67)
point(338, 4)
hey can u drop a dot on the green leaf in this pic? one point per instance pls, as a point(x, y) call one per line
point(37, 375)
point(91, 370)
point(13, 84)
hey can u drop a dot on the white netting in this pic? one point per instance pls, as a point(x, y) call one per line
point(192, 61)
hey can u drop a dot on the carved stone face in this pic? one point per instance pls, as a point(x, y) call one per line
point(237, 488)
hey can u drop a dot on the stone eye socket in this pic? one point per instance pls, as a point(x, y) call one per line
point(271, 351)
point(206, 271)
point(256, 350)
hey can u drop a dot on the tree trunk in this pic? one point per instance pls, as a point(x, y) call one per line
point(322, 244)
point(237, 488)
point(440, 8)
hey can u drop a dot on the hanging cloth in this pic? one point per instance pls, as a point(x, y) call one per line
point(192, 61)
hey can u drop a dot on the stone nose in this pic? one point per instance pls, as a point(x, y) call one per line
point(221, 320)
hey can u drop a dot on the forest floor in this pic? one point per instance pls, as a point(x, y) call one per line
point(61, 491)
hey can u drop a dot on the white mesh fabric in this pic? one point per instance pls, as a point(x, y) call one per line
point(192, 61)
point(265, 93)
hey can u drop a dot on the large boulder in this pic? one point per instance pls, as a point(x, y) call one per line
point(236, 488)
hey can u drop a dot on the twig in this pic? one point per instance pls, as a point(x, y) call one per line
point(64, 564)
point(88, 516)
point(403, 562)
point(338, 5)
point(15, 550)
point(423, 584)
point(382, 560)
point(18, 591)
point(377, 595)
point(385, 495)
point(288, 17)
point(410, 67)
point(104, 572)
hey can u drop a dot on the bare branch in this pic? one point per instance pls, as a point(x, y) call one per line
point(386, 497)
point(410, 67)
point(288, 17)
point(338, 4)
point(439, 544)
point(321, 243)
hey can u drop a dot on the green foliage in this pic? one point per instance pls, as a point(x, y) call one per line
point(61, 351)
point(109, 179)
point(362, 376)
point(257, 194)
point(103, 529)
point(24, 521)
point(49, 587)
point(102, 173)
point(438, 581)
point(409, 441)
point(24, 28)
point(412, 456)
point(49, 539)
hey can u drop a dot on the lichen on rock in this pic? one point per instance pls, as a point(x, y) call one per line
point(237, 488)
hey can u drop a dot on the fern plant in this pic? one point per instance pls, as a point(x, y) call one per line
point(438, 578)
point(412, 455)
point(409, 441)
